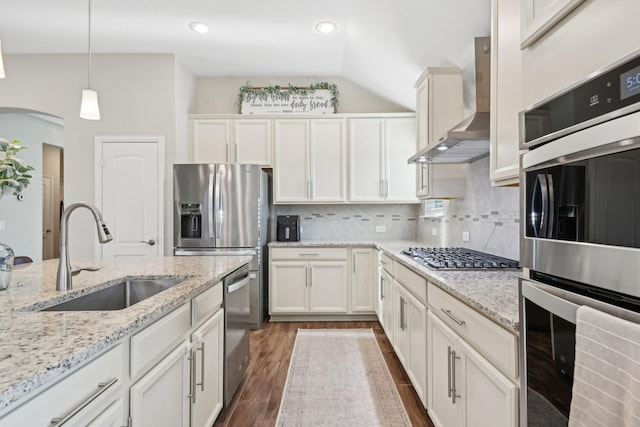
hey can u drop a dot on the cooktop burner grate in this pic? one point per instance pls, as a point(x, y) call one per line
point(459, 259)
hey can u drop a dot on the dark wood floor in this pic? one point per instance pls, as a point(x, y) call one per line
point(258, 399)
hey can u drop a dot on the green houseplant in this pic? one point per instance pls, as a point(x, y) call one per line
point(14, 172)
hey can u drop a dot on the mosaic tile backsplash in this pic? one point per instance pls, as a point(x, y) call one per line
point(490, 215)
point(353, 222)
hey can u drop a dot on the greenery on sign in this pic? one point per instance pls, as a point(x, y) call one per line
point(14, 172)
point(247, 91)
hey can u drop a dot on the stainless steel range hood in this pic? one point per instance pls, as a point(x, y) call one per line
point(468, 140)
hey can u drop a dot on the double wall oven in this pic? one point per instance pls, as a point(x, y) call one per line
point(580, 213)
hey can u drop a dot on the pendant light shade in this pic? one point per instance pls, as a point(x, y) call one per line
point(2, 74)
point(89, 108)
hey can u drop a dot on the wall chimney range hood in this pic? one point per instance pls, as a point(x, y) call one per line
point(468, 140)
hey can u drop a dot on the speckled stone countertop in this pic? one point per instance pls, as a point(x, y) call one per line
point(37, 347)
point(492, 293)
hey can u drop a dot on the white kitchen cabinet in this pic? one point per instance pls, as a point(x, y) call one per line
point(439, 103)
point(506, 88)
point(363, 280)
point(465, 389)
point(310, 161)
point(439, 107)
point(211, 140)
point(378, 153)
point(308, 281)
point(410, 330)
point(207, 369)
point(225, 140)
point(161, 397)
point(85, 396)
point(252, 141)
point(445, 181)
point(388, 305)
point(110, 417)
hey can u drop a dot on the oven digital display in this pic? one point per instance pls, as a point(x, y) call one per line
point(630, 83)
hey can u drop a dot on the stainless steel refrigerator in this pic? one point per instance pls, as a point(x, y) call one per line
point(223, 209)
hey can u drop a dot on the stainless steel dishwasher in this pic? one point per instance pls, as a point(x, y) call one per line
point(236, 330)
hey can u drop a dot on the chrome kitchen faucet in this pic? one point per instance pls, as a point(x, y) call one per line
point(64, 267)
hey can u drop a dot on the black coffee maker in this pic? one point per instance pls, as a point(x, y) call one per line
point(288, 228)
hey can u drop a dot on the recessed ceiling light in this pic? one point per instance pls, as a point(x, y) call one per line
point(199, 27)
point(326, 27)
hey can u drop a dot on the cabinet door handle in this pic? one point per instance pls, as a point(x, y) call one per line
point(202, 359)
point(306, 275)
point(381, 287)
point(449, 388)
point(452, 317)
point(402, 324)
point(102, 387)
point(308, 189)
point(353, 259)
point(192, 367)
point(454, 392)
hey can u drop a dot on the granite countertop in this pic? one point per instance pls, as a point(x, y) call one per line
point(492, 293)
point(38, 347)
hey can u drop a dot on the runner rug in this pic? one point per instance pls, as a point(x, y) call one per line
point(338, 377)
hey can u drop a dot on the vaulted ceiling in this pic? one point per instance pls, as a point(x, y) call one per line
point(382, 45)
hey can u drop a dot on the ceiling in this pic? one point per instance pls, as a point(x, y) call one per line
point(382, 45)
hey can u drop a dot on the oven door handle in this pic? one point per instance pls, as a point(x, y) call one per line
point(554, 304)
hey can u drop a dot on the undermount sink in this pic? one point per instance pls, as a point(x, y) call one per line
point(118, 296)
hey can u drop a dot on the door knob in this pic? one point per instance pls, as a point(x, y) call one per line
point(150, 242)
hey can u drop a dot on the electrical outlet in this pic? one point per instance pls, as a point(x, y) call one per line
point(301, 230)
point(381, 229)
point(2, 225)
point(434, 231)
point(465, 236)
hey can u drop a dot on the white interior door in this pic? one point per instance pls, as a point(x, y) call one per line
point(130, 194)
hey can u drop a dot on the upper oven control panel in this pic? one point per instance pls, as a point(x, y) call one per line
point(612, 93)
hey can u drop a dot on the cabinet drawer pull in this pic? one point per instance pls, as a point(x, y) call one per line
point(102, 387)
point(309, 254)
point(452, 317)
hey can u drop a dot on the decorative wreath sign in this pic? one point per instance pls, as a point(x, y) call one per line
point(319, 98)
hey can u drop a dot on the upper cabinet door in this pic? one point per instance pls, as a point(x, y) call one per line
point(401, 143)
point(211, 141)
point(506, 92)
point(366, 151)
point(327, 160)
point(291, 170)
point(252, 141)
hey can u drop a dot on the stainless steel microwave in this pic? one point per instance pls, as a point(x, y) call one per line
point(580, 182)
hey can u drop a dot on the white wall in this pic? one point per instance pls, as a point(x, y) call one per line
point(594, 35)
point(136, 94)
point(217, 95)
point(23, 219)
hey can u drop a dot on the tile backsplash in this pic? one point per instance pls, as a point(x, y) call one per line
point(353, 222)
point(490, 215)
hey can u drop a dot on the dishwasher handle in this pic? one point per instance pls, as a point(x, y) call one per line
point(236, 286)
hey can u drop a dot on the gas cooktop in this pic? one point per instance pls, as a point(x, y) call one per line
point(459, 259)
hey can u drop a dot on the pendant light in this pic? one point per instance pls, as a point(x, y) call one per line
point(2, 74)
point(89, 108)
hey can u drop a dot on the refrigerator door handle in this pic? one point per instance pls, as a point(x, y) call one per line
point(218, 206)
point(210, 205)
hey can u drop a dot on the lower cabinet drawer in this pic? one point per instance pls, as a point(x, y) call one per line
point(79, 397)
point(207, 303)
point(308, 253)
point(491, 340)
point(415, 283)
point(152, 344)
